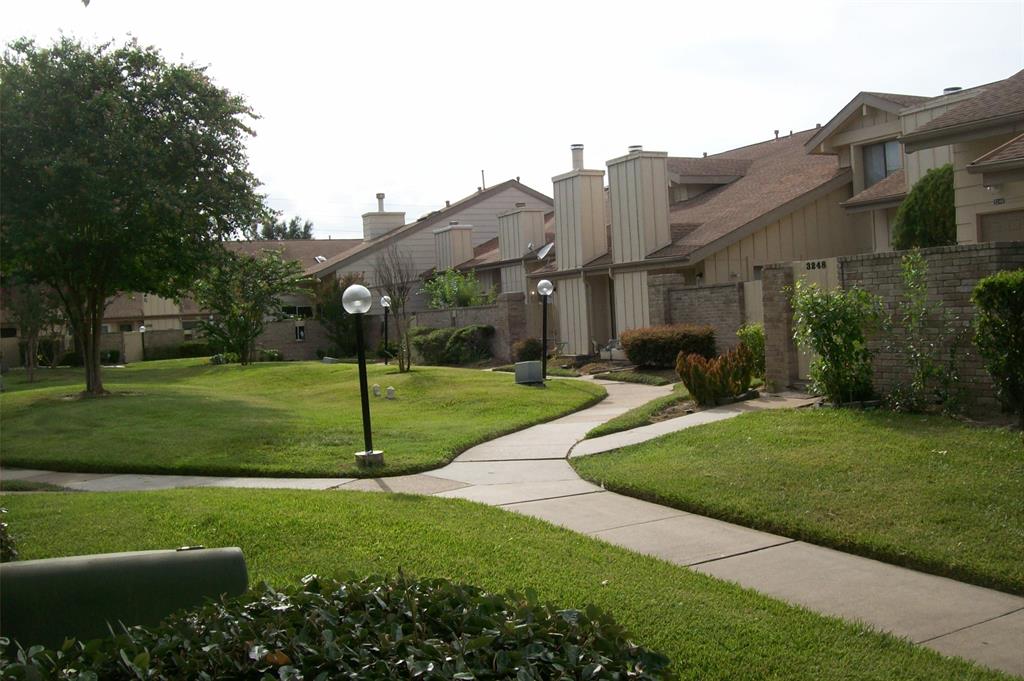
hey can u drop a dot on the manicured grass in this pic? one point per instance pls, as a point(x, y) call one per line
point(709, 628)
point(278, 418)
point(633, 377)
point(553, 370)
point(922, 491)
point(641, 416)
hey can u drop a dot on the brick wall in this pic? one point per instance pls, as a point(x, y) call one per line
point(281, 336)
point(507, 316)
point(953, 272)
point(721, 306)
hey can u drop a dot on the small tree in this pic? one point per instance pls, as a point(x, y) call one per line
point(834, 325)
point(927, 217)
point(395, 274)
point(34, 309)
point(999, 334)
point(452, 288)
point(243, 292)
point(338, 324)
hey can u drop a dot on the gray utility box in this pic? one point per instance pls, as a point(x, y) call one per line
point(529, 372)
point(45, 601)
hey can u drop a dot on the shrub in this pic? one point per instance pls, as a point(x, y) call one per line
point(225, 358)
point(834, 325)
point(71, 358)
point(430, 343)
point(527, 350)
point(658, 346)
point(270, 355)
point(47, 350)
point(999, 334)
point(110, 356)
point(452, 288)
point(453, 345)
point(927, 217)
point(7, 550)
point(388, 351)
point(752, 335)
point(162, 352)
point(371, 628)
point(195, 349)
point(711, 380)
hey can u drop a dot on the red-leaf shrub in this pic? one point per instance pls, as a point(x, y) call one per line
point(658, 346)
point(712, 380)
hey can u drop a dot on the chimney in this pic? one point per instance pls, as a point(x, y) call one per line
point(381, 222)
point(453, 245)
point(579, 214)
point(638, 192)
point(518, 229)
point(577, 156)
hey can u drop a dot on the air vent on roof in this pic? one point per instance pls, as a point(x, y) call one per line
point(542, 253)
point(320, 258)
point(951, 90)
point(634, 148)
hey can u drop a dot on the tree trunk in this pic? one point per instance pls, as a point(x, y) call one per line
point(91, 329)
point(31, 357)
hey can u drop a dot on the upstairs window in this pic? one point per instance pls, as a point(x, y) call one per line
point(880, 161)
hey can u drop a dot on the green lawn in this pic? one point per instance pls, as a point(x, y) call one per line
point(922, 491)
point(553, 370)
point(641, 416)
point(633, 377)
point(709, 628)
point(278, 418)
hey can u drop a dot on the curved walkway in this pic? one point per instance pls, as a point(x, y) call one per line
point(528, 472)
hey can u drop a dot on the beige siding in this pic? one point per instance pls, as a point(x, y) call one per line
point(513, 278)
point(572, 315)
point(920, 162)
point(579, 218)
point(453, 245)
point(517, 230)
point(632, 305)
point(972, 199)
point(818, 230)
point(638, 186)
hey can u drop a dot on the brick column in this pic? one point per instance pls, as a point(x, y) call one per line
point(779, 350)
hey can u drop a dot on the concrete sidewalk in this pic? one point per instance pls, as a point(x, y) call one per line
point(528, 472)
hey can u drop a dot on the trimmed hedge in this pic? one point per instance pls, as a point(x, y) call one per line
point(659, 346)
point(710, 381)
point(453, 346)
point(372, 628)
point(999, 334)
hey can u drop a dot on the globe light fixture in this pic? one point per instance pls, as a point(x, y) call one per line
point(357, 301)
point(385, 302)
point(545, 288)
point(142, 335)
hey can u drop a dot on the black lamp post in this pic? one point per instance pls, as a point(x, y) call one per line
point(142, 335)
point(385, 302)
point(545, 289)
point(357, 301)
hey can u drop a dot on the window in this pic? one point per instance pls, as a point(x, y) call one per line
point(297, 310)
point(300, 332)
point(104, 328)
point(125, 328)
point(8, 332)
point(880, 161)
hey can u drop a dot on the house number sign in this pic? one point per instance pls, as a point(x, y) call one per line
point(815, 265)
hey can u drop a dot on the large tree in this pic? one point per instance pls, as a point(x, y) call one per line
point(121, 171)
point(243, 291)
point(296, 228)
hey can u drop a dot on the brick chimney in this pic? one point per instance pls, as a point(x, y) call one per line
point(453, 245)
point(381, 222)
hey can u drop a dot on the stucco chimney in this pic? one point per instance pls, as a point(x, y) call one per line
point(453, 245)
point(381, 222)
point(577, 156)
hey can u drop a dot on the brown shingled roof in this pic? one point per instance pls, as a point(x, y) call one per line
point(1003, 99)
point(891, 188)
point(902, 100)
point(779, 172)
point(707, 166)
point(302, 250)
point(1011, 151)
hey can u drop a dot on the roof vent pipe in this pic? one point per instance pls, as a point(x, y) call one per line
point(951, 90)
point(577, 156)
point(705, 154)
point(635, 148)
point(380, 202)
point(776, 134)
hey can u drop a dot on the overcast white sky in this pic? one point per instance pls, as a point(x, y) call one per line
point(415, 98)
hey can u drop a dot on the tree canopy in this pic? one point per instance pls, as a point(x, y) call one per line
point(296, 228)
point(927, 217)
point(121, 171)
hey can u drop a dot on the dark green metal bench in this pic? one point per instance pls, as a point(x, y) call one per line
point(46, 601)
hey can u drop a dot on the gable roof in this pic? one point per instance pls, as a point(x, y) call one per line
point(1011, 152)
point(304, 251)
point(892, 188)
point(780, 176)
point(438, 216)
point(998, 103)
point(885, 101)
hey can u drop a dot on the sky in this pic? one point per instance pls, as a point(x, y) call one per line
point(414, 99)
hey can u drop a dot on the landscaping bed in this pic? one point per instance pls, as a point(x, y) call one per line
point(273, 419)
point(710, 629)
point(926, 492)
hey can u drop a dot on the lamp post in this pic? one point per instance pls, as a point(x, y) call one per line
point(142, 333)
point(385, 302)
point(545, 288)
point(357, 301)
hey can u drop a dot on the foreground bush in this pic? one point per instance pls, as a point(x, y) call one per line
point(658, 346)
point(710, 381)
point(453, 346)
point(373, 628)
point(999, 334)
point(527, 350)
point(834, 325)
point(752, 335)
